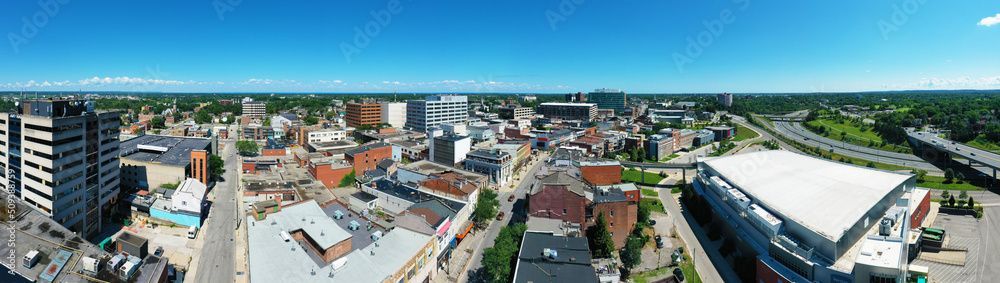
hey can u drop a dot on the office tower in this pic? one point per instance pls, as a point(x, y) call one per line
point(61, 157)
point(254, 109)
point(568, 111)
point(725, 99)
point(436, 110)
point(364, 113)
point(608, 99)
point(394, 114)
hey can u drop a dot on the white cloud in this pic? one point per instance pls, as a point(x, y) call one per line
point(129, 81)
point(990, 21)
point(960, 83)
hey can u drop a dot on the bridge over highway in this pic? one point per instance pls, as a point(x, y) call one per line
point(972, 154)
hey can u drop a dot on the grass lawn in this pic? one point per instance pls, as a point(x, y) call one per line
point(675, 190)
point(654, 204)
point(857, 136)
point(937, 182)
point(649, 192)
point(744, 133)
point(690, 274)
point(635, 176)
point(982, 143)
point(669, 157)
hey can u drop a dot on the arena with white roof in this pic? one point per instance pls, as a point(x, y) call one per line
point(813, 209)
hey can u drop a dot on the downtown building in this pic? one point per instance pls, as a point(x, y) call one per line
point(363, 113)
point(568, 111)
point(254, 109)
point(394, 114)
point(435, 110)
point(804, 219)
point(60, 157)
point(608, 99)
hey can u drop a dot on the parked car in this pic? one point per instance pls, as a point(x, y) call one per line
point(659, 242)
point(679, 274)
point(158, 251)
point(500, 216)
point(652, 222)
point(510, 198)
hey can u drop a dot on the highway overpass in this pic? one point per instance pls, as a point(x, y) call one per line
point(952, 149)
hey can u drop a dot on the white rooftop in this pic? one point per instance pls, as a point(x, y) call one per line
point(880, 252)
point(381, 259)
point(274, 260)
point(824, 196)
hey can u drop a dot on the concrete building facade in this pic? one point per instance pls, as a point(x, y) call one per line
point(60, 156)
point(436, 110)
point(394, 114)
point(568, 111)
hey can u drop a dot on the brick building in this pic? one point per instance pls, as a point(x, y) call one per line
point(558, 201)
point(364, 113)
point(367, 156)
point(601, 172)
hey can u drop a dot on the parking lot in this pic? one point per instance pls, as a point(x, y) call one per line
point(176, 246)
point(963, 231)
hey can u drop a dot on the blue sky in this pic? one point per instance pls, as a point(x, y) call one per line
point(499, 46)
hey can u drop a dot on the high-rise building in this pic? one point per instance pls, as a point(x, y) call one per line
point(512, 112)
point(608, 99)
point(363, 113)
point(725, 99)
point(254, 109)
point(449, 149)
point(394, 113)
point(60, 157)
point(568, 111)
point(576, 97)
point(436, 110)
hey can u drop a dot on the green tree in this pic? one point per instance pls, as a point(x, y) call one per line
point(486, 208)
point(601, 243)
point(643, 213)
point(963, 195)
point(311, 120)
point(348, 179)
point(158, 122)
point(949, 175)
point(247, 148)
point(216, 166)
point(498, 260)
point(971, 203)
point(202, 117)
point(945, 194)
point(951, 201)
point(631, 255)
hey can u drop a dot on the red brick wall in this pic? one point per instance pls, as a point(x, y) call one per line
point(921, 212)
point(274, 152)
point(621, 218)
point(249, 167)
point(767, 275)
point(367, 160)
point(602, 175)
point(553, 200)
point(329, 176)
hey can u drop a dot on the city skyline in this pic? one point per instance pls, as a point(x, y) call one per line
point(521, 46)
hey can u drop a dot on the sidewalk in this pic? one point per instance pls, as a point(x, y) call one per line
point(702, 263)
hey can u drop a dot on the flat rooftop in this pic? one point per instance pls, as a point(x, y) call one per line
point(570, 264)
point(274, 260)
point(170, 150)
point(824, 196)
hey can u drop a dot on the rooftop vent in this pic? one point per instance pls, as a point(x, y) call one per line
point(550, 254)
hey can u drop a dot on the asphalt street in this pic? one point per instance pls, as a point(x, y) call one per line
point(216, 261)
point(506, 207)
